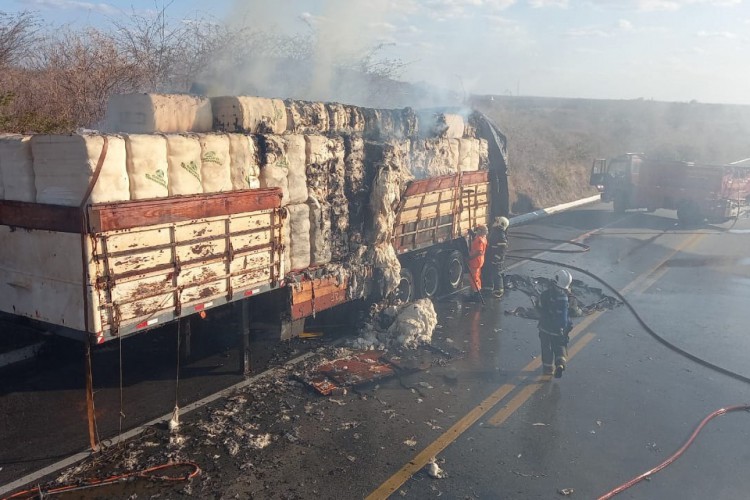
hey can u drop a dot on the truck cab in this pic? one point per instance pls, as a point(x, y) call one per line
point(617, 179)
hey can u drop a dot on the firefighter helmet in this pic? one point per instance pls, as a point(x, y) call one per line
point(563, 279)
point(502, 222)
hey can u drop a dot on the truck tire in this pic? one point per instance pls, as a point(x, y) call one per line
point(688, 213)
point(428, 280)
point(452, 266)
point(405, 290)
point(618, 203)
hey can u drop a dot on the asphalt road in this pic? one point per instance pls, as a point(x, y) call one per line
point(494, 426)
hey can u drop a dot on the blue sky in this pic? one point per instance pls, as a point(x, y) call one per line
point(669, 50)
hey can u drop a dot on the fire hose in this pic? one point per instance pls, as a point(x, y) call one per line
point(721, 411)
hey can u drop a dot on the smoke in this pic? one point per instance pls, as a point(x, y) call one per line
point(335, 50)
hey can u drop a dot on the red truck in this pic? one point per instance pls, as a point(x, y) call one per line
point(697, 191)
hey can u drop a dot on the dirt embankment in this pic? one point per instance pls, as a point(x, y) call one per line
point(552, 142)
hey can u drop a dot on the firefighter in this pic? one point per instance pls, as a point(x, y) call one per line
point(555, 324)
point(476, 260)
point(498, 243)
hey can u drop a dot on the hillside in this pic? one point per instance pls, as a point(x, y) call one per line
point(552, 142)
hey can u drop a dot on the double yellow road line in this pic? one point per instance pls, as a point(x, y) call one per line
point(639, 284)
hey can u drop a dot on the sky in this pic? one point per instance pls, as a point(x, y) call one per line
point(665, 50)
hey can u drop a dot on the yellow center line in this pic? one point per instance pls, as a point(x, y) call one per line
point(525, 393)
point(423, 458)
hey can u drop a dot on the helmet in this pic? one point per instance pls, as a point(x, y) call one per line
point(503, 222)
point(563, 279)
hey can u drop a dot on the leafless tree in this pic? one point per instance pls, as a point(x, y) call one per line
point(18, 35)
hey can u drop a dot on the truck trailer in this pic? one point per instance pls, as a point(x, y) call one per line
point(698, 192)
point(98, 270)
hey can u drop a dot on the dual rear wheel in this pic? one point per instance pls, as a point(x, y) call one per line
point(430, 276)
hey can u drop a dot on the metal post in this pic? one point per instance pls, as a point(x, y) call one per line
point(90, 400)
point(187, 337)
point(244, 317)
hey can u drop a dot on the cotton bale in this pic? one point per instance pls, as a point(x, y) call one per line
point(248, 114)
point(243, 161)
point(274, 165)
point(64, 167)
point(158, 113)
point(17, 168)
point(147, 166)
point(184, 164)
point(216, 174)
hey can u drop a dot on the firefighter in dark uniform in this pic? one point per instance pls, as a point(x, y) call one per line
point(555, 324)
point(498, 245)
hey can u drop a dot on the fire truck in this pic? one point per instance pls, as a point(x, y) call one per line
point(698, 192)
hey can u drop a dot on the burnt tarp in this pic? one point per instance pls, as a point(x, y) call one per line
point(584, 299)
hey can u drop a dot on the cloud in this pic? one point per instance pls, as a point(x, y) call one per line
point(625, 25)
point(540, 4)
point(673, 5)
point(728, 35)
point(587, 32)
point(102, 8)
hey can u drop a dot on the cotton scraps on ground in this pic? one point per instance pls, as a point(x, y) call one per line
point(409, 325)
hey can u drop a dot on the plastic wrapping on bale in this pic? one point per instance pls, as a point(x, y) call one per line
point(16, 167)
point(216, 174)
point(158, 113)
point(274, 168)
point(64, 166)
point(320, 232)
point(307, 117)
point(184, 164)
point(244, 168)
point(147, 166)
point(296, 146)
point(248, 114)
point(299, 236)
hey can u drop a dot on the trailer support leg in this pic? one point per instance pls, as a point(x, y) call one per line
point(244, 317)
point(187, 337)
point(90, 400)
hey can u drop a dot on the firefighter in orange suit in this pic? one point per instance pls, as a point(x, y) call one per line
point(476, 260)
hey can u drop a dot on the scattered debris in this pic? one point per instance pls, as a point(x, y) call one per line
point(411, 442)
point(566, 491)
point(434, 470)
point(539, 424)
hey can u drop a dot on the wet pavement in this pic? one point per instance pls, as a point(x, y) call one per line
point(495, 427)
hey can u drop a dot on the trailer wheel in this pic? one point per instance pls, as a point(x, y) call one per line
point(688, 213)
point(405, 290)
point(618, 203)
point(453, 269)
point(428, 282)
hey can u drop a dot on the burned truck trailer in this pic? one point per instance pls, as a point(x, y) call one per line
point(313, 204)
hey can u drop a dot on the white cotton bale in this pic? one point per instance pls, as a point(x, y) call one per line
point(357, 119)
point(286, 240)
point(320, 232)
point(468, 155)
point(147, 166)
point(216, 175)
point(158, 113)
point(274, 170)
point(296, 175)
point(243, 161)
point(434, 157)
point(16, 168)
point(254, 115)
point(484, 154)
point(184, 164)
point(299, 236)
point(319, 149)
point(64, 166)
point(445, 125)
